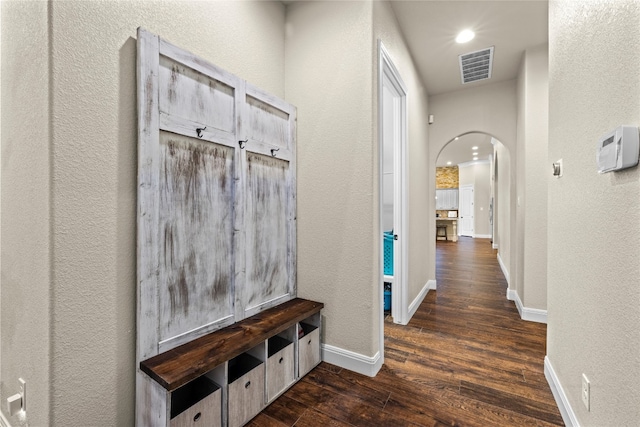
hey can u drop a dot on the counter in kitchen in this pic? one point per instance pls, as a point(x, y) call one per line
point(452, 227)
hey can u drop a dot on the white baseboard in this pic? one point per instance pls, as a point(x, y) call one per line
point(494, 246)
point(432, 285)
point(504, 268)
point(568, 416)
point(413, 307)
point(355, 362)
point(482, 236)
point(529, 314)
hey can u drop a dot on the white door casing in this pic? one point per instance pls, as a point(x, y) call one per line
point(389, 81)
point(467, 221)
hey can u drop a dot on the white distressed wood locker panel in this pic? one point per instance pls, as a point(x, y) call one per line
point(216, 204)
point(196, 235)
point(269, 175)
point(267, 271)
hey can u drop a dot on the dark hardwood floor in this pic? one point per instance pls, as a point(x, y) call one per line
point(465, 359)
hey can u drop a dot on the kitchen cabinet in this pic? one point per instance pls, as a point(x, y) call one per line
point(446, 199)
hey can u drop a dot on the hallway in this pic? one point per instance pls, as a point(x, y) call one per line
point(465, 359)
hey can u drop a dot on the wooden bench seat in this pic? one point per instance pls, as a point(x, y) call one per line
point(184, 363)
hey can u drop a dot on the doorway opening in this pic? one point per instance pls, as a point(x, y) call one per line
point(392, 132)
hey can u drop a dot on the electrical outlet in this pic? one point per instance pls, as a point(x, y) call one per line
point(586, 392)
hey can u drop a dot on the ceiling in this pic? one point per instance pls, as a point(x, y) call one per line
point(460, 150)
point(430, 28)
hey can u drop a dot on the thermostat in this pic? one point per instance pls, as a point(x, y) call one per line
point(618, 149)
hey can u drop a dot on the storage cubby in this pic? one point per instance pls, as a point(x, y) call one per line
point(246, 386)
point(308, 344)
point(280, 363)
point(198, 403)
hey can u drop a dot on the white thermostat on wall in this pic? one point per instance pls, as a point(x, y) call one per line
point(618, 149)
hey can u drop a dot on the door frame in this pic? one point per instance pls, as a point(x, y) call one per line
point(460, 205)
point(388, 76)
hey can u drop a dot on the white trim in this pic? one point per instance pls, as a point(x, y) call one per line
point(528, 314)
point(568, 416)
point(400, 288)
point(504, 268)
point(413, 307)
point(433, 285)
point(3, 421)
point(534, 315)
point(494, 245)
point(355, 362)
point(482, 236)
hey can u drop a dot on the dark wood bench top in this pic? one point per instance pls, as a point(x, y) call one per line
point(178, 366)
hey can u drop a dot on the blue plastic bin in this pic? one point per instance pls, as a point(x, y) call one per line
point(387, 300)
point(388, 253)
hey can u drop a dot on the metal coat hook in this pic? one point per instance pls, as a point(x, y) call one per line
point(199, 131)
point(242, 143)
point(273, 151)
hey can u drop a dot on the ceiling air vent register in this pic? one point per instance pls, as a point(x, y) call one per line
point(475, 66)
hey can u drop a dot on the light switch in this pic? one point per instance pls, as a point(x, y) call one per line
point(14, 404)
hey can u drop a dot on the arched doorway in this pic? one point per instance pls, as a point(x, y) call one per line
point(478, 166)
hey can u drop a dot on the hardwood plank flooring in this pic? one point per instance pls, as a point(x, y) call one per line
point(465, 359)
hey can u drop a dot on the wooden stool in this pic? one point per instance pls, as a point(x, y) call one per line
point(442, 228)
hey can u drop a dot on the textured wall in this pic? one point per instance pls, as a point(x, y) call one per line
point(447, 177)
point(533, 178)
point(593, 262)
point(25, 198)
point(503, 207)
point(90, 189)
point(420, 230)
point(338, 222)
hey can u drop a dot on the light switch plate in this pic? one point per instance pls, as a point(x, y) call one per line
point(23, 393)
point(586, 391)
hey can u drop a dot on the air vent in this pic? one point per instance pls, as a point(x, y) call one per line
point(476, 65)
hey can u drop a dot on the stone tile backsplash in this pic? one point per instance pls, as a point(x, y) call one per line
point(447, 177)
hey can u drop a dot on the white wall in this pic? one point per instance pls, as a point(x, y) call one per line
point(420, 176)
point(503, 209)
point(25, 286)
point(594, 220)
point(533, 177)
point(329, 70)
point(68, 248)
point(478, 174)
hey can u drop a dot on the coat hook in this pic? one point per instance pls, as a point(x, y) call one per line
point(199, 131)
point(273, 151)
point(242, 143)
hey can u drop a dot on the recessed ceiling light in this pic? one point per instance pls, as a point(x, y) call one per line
point(475, 158)
point(465, 36)
point(475, 154)
point(456, 138)
point(448, 163)
point(474, 148)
